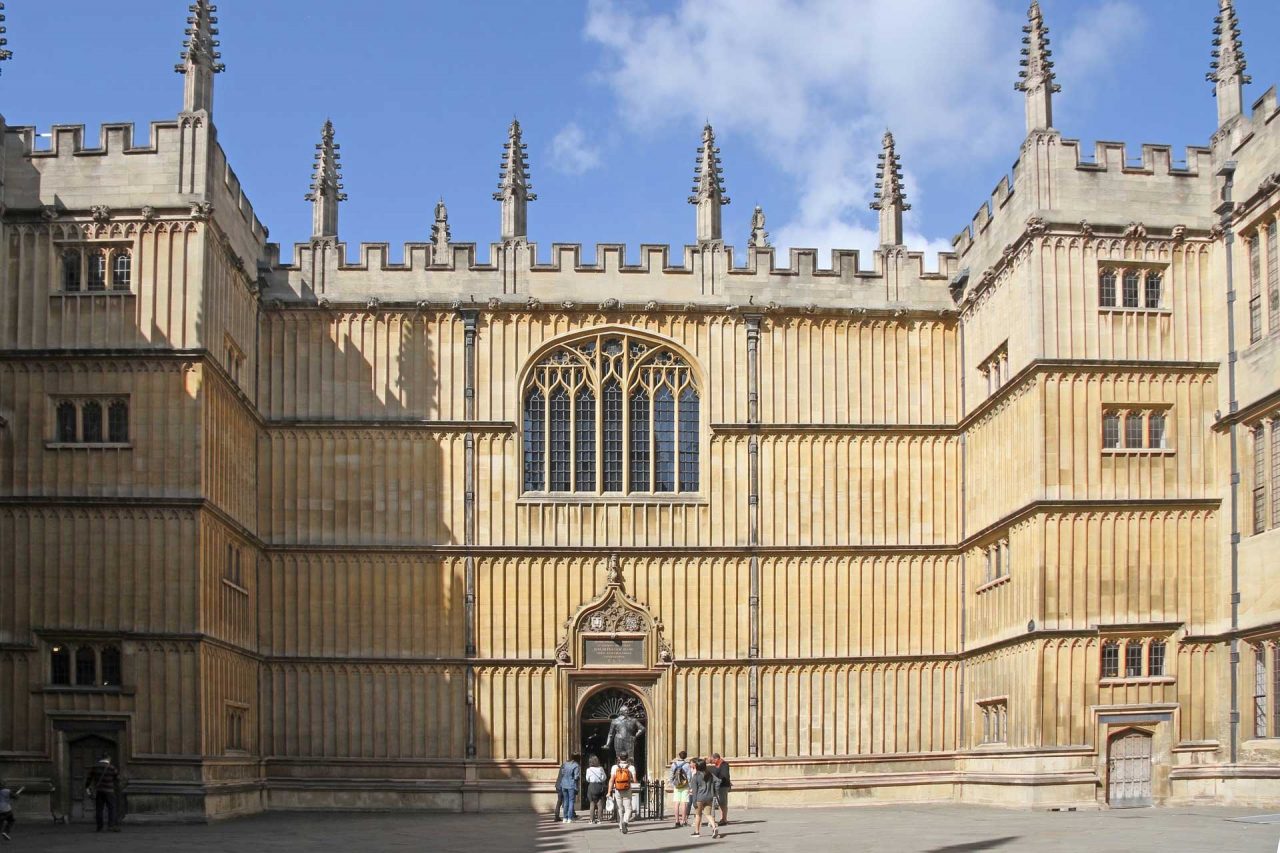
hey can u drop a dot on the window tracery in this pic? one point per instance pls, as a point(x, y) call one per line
point(611, 413)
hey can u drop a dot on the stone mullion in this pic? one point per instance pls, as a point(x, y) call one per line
point(469, 522)
point(753, 533)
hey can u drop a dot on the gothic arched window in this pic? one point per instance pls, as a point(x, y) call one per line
point(611, 413)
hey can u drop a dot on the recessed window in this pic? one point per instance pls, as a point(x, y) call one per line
point(96, 268)
point(59, 665)
point(91, 420)
point(85, 664)
point(1133, 658)
point(232, 569)
point(608, 413)
point(1143, 429)
point(72, 273)
point(1131, 288)
point(1110, 659)
point(121, 269)
point(1107, 288)
point(1133, 430)
point(1266, 473)
point(1155, 658)
point(995, 720)
point(1152, 291)
point(1255, 289)
point(237, 728)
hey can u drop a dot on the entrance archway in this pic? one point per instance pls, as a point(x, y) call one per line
point(1129, 769)
point(598, 712)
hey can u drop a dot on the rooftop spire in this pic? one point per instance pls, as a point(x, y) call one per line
point(1226, 70)
point(514, 186)
point(759, 237)
point(326, 186)
point(200, 57)
point(440, 235)
point(890, 198)
point(708, 188)
point(4, 54)
point(1036, 78)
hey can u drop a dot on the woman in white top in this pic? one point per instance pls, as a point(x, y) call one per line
point(595, 788)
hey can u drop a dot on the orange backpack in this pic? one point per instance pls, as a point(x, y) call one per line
point(622, 779)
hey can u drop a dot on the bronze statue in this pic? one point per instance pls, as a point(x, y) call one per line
point(623, 733)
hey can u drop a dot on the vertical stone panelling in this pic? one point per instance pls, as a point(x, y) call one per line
point(531, 734)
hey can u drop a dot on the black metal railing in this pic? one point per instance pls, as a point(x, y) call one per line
point(650, 799)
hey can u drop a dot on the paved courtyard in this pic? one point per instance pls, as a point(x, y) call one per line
point(913, 829)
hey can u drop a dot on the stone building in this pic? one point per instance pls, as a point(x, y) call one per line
point(317, 534)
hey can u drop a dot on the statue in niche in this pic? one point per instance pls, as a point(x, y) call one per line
point(624, 731)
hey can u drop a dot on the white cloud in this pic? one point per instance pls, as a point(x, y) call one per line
point(571, 152)
point(814, 83)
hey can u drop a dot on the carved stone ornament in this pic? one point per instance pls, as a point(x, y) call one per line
point(372, 303)
point(1216, 232)
point(1179, 233)
point(49, 212)
point(533, 304)
point(610, 614)
point(100, 213)
point(1036, 226)
point(1135, 231)
point(422, 304)
point(148, 214)
point(201, 210)
point(568, 305)
point(1270, 183)
point(651, 305)
point(1086, 230)
point(610, 304)
point(494, 303)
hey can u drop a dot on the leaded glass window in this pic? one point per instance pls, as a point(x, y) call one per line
point(111, 668)
point(98, 270)
point(71, 270)
point(1153, 290)
point(1110, 659)
point(1131, 289)
point(1110, 430)
point(1133, 429)
point(86, 666)
point(1273, 277)
point(642, 436)
point(1133, 659)
point(118, 421)
point(59, 665)
point(66, 417)
point(121, 269)
point(1155, 658)
point(1107, 289)
point(1255, 289)
point(91, 422)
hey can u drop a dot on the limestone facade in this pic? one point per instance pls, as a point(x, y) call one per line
point(997, 533)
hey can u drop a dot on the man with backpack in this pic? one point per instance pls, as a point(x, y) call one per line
point(679, 781)
point(567, 788)
point(621, 777)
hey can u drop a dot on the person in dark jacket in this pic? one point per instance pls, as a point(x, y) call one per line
point(720, 767)
point(567, 786)
point(6, 809)
point(103, 785)
point(702, 797)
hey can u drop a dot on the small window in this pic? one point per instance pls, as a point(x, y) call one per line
point(1110, 659)
point(1107, 288)
point(111, 668)
point(121, 269)
point(1155, 658)
point(236, 718)
point(59, 665)
point(995, 721)
point(91, 422)
point(66, 416)
point(1260, 691)
point(1111, 430)
point(1133, 659)
point(98, 270)
point(118, 422)
point(86, 667)
point(1131, 289)
point(1153, 290)
point(71, 272)
point(1155, 430)
point(1133, 430)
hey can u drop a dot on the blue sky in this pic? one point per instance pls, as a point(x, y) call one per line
point(612, 96)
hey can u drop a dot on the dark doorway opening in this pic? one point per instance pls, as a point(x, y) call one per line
point(598, 714)
point(83, 754)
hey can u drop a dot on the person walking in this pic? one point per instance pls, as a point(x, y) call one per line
point(567, 787)
point(6, 810)
point(596, 779)
point(702, 791)
point(621, 775)
point(678, 778)
point(721, 768)
point(103, 785)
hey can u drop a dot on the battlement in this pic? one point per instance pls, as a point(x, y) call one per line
point(68, 140)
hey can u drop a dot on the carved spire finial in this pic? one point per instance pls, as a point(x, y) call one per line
point(200, 57)
point(613, 577)
point(4, 53)
point(326, 186)
point(514, 186)
point(440, 235)
point(1226, 70)
point(708, 188)
point(890, 199)
point(1036, 78)
point(759, 237)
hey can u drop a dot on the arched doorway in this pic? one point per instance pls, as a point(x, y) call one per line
point(1129, 769)
point(598, 713)
point(83, 753)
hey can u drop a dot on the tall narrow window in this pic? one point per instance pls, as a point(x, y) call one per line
point(559, 407)
point(1107, 288)
point(1155, 430)
point(1275, 690)
point(1275, 472)
point(1133, 659)
point(66, 422)
point(71, 270)
point(689, 440)
point(584, 418)
point(1155, 658)
point(534, 441)
point(1255, 289)
point(1260, 692)
point(1152, 294)
point(86, 666)
point(1133, 429)
point(1130, 288)
point(98, 270)
point(111, 669)
point(91, 422)
point(612, 436)
point(121, 269)
point(1259, 479)
point(1110, 429)
point(1110, 659)
point(664, 440)
point(640, 441)
point(118, 421)
point(59, 665)
point(1273, 277)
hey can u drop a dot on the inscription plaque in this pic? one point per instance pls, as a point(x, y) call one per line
point(613, 652)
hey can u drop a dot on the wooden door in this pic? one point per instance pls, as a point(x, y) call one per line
point(83, 753)
point(1129, 770)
